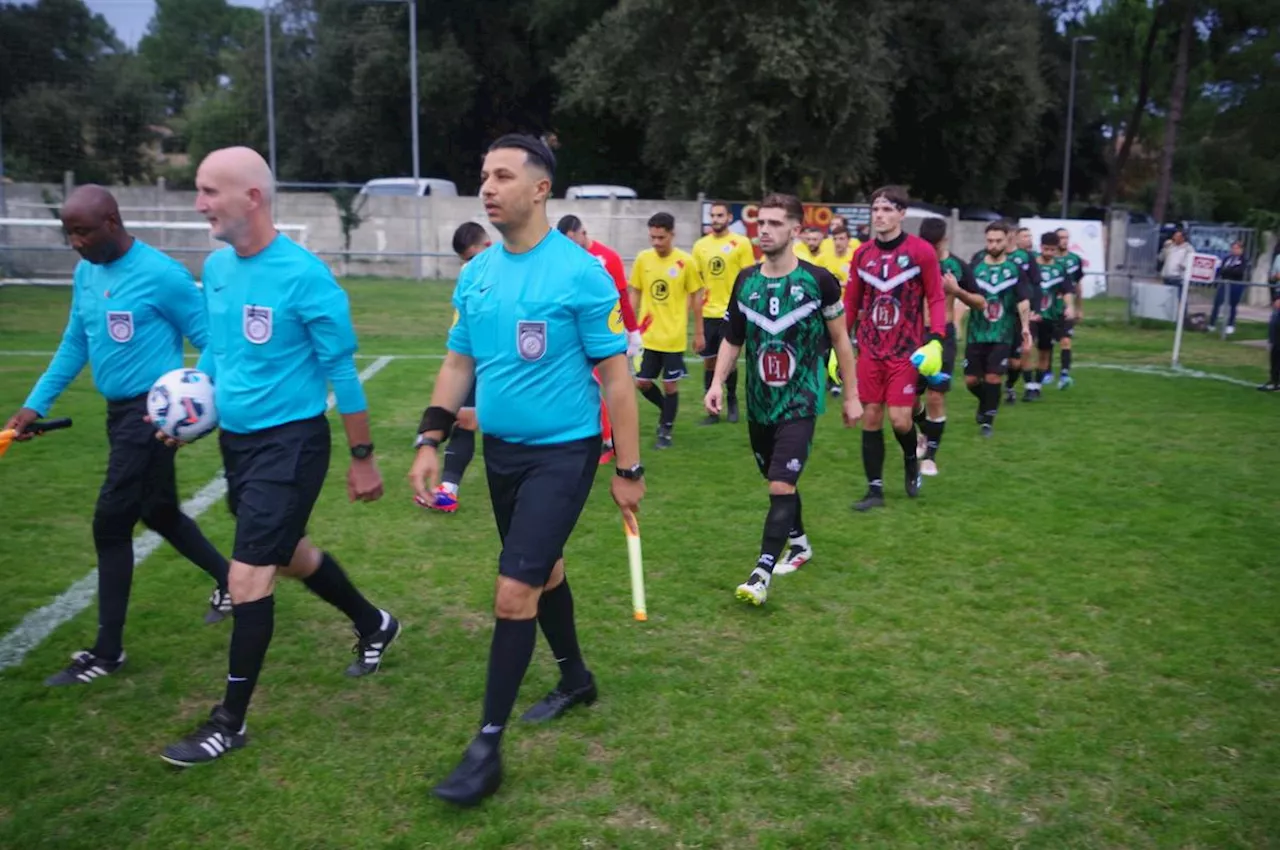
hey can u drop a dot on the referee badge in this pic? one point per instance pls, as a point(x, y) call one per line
point(257, 324)
point(120, 325)
point(531, 340)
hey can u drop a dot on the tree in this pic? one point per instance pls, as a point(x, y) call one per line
point(1177, 99)
point(188, 44)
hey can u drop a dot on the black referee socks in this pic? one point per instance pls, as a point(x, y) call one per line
point(555, 616)
point(250, 637)
point(670, 404)
point(873, 455)
point(509, 656)
point(331, 584)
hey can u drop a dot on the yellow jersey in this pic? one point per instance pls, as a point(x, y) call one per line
point(665, 284)
point(802, 251)
point(838, 266)
point(718, 259)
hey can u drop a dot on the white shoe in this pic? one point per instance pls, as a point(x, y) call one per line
point(1231, 329)
point(755, 589)
point(799, 553)
point(922, 445)
point(928, 467)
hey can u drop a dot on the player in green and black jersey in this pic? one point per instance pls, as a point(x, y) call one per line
point(784, 312)
point(1021, 253)
point(999, 310)
point(1075, 274)
point(1057, 310)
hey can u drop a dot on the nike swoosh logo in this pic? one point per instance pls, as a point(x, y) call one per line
point(489, 729)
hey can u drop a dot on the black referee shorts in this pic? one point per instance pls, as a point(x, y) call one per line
point(140, 482)
point(274, 477)
point(538, 493)
point(781, 449)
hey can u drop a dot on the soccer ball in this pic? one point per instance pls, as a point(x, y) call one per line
point(180, 404)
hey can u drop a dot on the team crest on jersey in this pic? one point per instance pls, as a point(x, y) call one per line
point(258, 324)
point(659, 290)
point(903, 261)
point(531, 340)
point(885, 313)
point(797, 293)
point(776, 364)
point(717, 265)
point(120, 325)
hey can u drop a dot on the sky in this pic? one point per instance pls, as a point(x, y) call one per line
point(129, 18)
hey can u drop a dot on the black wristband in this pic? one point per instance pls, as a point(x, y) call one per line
point(934, 338)
point(437, 419)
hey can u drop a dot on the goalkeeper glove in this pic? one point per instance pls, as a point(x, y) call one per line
point(928, 358)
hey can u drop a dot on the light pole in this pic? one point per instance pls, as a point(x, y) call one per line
point(1071, 111)
point(271, 88)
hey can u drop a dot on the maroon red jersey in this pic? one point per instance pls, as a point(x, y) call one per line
point(890, 286)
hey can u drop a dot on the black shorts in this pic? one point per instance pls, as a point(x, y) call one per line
point(941, 385)
point(537, 493)
point(1015, 344)
point(664, 365)
point(274, 477)
point(140, 482)
point(986, 358)
point(1050, 331)
point(782, 449)
point(714, 331)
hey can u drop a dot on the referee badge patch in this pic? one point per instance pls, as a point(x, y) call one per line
point(531, 340)
point(257, 324)
point(120, 325)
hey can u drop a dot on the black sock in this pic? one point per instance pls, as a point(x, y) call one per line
point(250, 637)
point(918, 415)
point(555, 616)
point(991, 404)
point(707, 375)
point(1066, 361)
point(670, 404)
point(331, 584)
point(975, 389)
point(1011, 378)
point(1050, 369)
point(509, 655)
point(114, 543)
point(907, 440)
point(1042, 375)
point(186, 537)
point(731, 384)
point(777, 527)
point(1275, 363)
point(654, 395)
point(933, 429)
point(873, 458)
point(1028, 376)
point(797, 524)
point(458, 454)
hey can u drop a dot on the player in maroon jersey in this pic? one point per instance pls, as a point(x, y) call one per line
point(895, 304)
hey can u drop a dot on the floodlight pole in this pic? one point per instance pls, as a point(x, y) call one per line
point(1071, 112)
point(271, 88)
point(413, 114)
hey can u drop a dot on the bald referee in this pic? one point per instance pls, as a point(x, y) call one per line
point(533, 320)
point(280, 335)
point(130, 308)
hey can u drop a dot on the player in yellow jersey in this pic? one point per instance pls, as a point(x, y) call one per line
point(663, 282)
point(809, 246)
point(841, 256)
point(718, 257)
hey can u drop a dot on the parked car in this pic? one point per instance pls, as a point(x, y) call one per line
point(600, 191)
point(404, 186)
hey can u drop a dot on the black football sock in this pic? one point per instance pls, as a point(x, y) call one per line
point(975, 389)
point(731, 384)
point(250, 636)
point(777, 527)
point(113, 539)
point(1042, 375)
point(797, 525)
point(907, 440)
point(933, 429)
point(918, 415)
point(555, 616)
point(707, 375)
point(873, 459)
point(1011, 378)
point(1066, 361)
point(331, 584)
point(185, 536)
point(1028, 376)
point(654, 395)
point(1275, 363)
point(669, 407)
point(1050, 369)
point(458, 454)
point(991, 405)
point(509, 654)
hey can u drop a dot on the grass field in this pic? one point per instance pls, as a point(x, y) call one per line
point(1072, 639)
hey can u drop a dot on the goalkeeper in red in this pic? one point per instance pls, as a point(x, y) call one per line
point(894, 302)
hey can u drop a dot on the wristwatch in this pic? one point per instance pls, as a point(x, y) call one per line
point(362, 451)
point(424, 440)
point(634, 473)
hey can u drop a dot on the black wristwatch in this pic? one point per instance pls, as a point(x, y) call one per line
point(635, 473)
point(362, 451)
point(424, 440)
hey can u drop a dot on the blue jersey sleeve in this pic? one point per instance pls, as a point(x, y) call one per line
point(460, 334)
point(183, 305)
point(70, 358)
point(596, 298)
point(326, 312)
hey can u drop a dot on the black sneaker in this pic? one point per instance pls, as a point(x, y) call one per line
point(873, 499)
point(1010, 395)
point(369, 650)
point(712, 419)
point(1268, 388)
point(215, 738)
point(556, 703)
point(84, 668)
point(914, 481)
point(1029, 395)
point(987, 430)
point(733, 410)
point(477, 776)
point(219, 606)
point(664, 439)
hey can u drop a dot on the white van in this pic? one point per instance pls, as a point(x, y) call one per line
point(600, 192)
point(404, 186)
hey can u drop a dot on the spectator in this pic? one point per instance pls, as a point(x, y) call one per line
point(1175, 255)
point(1273, 329)
point(1233, 269)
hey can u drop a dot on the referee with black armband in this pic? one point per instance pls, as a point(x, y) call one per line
point(280, 334)
point(131, 305)
point(533, 321)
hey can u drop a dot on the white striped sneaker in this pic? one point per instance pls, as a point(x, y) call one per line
point(219, 606)
point(84, 668)
point(215, 738)
point(369, 650)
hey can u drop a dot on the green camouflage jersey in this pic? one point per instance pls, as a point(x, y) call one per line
point(1075, 268)
point(1003, 284)
point(1027, 262)
point(1053, 286)
point(782, 323)
point(957, 268)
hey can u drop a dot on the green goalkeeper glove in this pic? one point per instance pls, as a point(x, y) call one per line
point(928, 358)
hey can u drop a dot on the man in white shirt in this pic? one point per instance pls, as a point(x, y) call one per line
point(1175, 256)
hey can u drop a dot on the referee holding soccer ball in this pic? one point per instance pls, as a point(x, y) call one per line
point(279, 334)
point(130, 308)
point(533, 321)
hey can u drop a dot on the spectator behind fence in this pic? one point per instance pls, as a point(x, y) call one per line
point(1234, 269)
point(1273, 329)
point(1175, 255)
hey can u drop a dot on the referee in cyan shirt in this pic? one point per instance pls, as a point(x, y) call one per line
point(279, 334)
point(130, 308)
point(533, 320)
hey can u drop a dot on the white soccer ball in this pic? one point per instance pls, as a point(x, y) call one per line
point(181, 404)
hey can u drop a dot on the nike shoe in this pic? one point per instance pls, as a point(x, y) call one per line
point(873, 499)
point(219, 606)
point(733, 410)
point(1268, 388)
point(216, 737)
point(477, 776)
point(799, 553)
point(1010, 395)
point(84, 668)
point(712, 419)
point(443, 501)
point(369, 650)
point(914, 482)
point(987, 430)
point(1065, 382)
point(929, 467)
point(755, 589)
point(560, 700)
point(664, 439)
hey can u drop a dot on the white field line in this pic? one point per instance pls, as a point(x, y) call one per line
point(43, 621)
point(1167, 372)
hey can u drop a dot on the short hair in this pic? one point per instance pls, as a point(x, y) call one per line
point(839, 230)
point(664, 220)
point(722, 204)
point(896, 195)
point(812, 228)
point(536, 151)
point(569, 224)
point(1024, 229)
point(1049, 239)
point(933, 230)
point(997, 227)
point(469, 234)
point(1063, 230)
point(789, 204)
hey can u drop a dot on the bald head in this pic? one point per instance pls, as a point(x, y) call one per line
point(234, 191)
point(91, 220)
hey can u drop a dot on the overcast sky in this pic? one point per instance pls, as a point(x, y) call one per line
point(129, 18)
